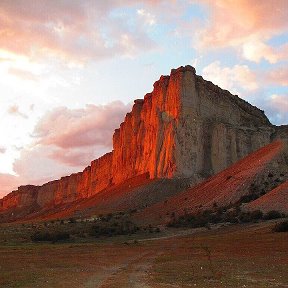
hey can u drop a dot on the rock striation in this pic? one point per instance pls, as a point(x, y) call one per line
point(185, 128)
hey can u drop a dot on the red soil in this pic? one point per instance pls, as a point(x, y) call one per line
point(277, 199)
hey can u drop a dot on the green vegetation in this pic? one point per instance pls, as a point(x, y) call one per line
point(109, 225)
point(222, 215)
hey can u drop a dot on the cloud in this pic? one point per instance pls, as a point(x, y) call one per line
point(77, 157)
point(255, 50)
point(71, 30)
point(246, 25)
point(277, 108)
point(34, 166)
point(277, 76)
point(67, 140)
point(92, 125)
point(22, 74)
point(235, 79)
point(149, 18)
point(280, 102)
point(8, 183)
point(14, 110)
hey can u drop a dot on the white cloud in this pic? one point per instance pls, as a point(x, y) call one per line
point(235, 79)
point(256, 50)
point(149, 19)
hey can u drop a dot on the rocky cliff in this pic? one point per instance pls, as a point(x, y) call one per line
point(185, 128)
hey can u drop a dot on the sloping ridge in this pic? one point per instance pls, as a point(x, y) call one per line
point(277, 199)
point(221, 189)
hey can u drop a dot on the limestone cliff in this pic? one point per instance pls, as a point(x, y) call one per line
point(186, 127)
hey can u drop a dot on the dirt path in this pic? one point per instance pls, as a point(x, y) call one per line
point(132, 273)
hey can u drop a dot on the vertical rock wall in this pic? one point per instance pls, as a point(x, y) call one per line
point(186, 127)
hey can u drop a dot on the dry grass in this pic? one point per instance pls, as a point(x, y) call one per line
point(236, 256)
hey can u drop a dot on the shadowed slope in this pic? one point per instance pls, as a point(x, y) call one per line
point(135, 193)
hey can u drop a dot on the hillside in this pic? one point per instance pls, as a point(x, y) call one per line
point(226, 187)
point(277, 200)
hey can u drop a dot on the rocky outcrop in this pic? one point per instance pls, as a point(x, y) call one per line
point(185, 128)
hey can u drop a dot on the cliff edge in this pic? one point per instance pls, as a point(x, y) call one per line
point(185, 128)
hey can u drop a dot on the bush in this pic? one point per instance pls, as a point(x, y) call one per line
point(245, 217)
point(113, 230)
point(231, 215)
point(281, 227)
point(272, 215)
point(256, 215)
point(193, 221)
point(46, 236)
point(72, 220)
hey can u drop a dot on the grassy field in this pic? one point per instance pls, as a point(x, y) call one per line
point(249, 255)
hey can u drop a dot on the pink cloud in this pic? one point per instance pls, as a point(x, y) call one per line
point(8, 183)
point(92, 125)
point(67, 140)
point(23, 74)
point(70, 30)
point(277, 76)
point(34, 166)
point(248, 25)
point(77, 157)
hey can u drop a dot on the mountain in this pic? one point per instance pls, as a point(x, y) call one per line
point(184, 131)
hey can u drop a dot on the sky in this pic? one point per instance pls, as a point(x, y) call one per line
point(70, 70)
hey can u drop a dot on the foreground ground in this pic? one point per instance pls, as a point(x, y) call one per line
point(235, 256)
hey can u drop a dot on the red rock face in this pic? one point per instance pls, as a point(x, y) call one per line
point(186, 127)
point(24, 196)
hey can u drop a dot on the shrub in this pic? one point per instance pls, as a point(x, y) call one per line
point(46, 236)
point(272, 215)
point(256, 215)
point(245, 217)
point(231, 216)
point(72, 220)
point(281, 227)
point(253, 216)
point(193, 221)
point(113, 230)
